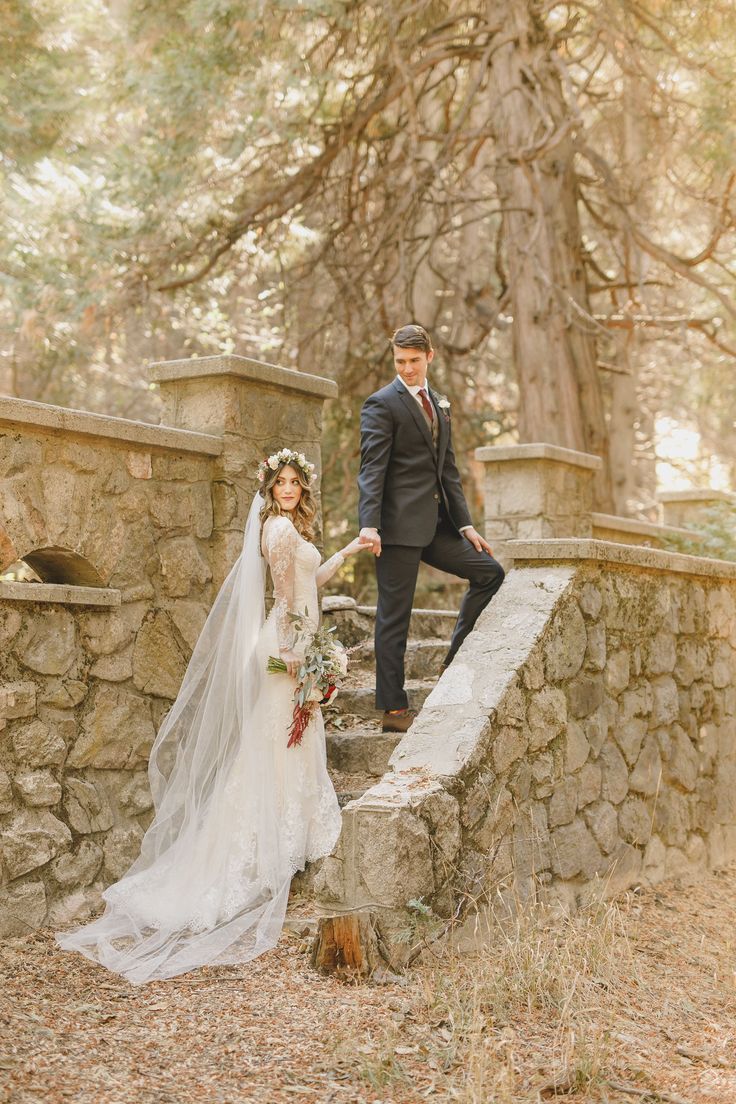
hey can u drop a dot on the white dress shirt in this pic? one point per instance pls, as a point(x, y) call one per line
point(415, 392)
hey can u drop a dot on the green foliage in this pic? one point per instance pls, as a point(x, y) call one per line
point(716, 534)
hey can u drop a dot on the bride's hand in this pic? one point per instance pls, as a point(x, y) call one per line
point(293, 663)
point(359, 544)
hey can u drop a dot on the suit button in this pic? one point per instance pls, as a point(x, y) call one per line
point(436, 497)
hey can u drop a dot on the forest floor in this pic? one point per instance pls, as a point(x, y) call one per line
point(635, 1002)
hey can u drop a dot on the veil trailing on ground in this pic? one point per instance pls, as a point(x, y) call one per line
point(211, 883)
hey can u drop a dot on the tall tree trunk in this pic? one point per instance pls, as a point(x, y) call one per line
point(554, 340)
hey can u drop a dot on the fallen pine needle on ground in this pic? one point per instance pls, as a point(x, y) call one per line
point(634, 1001)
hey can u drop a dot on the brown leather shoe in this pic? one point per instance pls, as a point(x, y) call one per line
point(400, 721)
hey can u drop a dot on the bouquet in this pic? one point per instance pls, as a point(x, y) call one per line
point(322, 670)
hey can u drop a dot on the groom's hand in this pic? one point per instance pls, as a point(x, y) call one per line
point(374, 537)
point(477, 541)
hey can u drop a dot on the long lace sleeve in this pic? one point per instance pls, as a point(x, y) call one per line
point(281, 541)
point(326, 570)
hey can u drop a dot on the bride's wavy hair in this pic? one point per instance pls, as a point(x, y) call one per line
point(306, 509)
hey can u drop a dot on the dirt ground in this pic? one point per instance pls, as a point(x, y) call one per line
point(650, 1016)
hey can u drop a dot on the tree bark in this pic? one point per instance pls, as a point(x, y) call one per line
point(554, 340)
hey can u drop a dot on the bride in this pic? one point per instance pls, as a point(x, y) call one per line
point(237, 813)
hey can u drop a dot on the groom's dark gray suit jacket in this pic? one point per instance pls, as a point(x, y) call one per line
point(402, 477)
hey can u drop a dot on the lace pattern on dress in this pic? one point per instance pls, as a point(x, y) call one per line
point(281, 541)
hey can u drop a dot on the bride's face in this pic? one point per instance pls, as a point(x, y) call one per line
point(287, 490)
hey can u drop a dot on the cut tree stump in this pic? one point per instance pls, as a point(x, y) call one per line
point(348, 945)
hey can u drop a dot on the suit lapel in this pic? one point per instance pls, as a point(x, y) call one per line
point(412, 406)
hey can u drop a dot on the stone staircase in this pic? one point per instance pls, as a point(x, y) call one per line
point(357, 750)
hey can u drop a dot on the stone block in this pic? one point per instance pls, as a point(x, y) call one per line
point(665, 703)
point(22, 909)
point(618, 671)
point(114, 668)
point(721, 612)
point(547, 716)
point(497, 821)
point(512, 707)
point(76, 907)
point(48, 642)
point(574, 851)
point(602, 819)
point(585, 693)
point(393, 861)
point(520, 781)
point(590, 600)
point(672, 817)
point(185, 507)
point(682, 763)
point(563, 803)
point(629, 735)
point(723, 664)
point(117, 732)
point(635, 821)
point(625, 867)
point(182, 566)
point(599, 724)
point(17, 699)
point(725, 793)
point(509, 744)
point(31, 840)
point(36, 745)
point(158, 661)
point(87, 810)
point(660, 653)
point(121, 847)
point(79, 867)
point(64, 695)
point(106, 632)
point(595, 653)
point(531, 853)
point(653, 866)
point(637, 702)
point(135, 794)
point(577, 748)
point(564, 649)
point(38, 788)
point(647, 774)
point(691, 662)
point(10, 625)
point(189, 618)
point(590, 782)
point(615, 784)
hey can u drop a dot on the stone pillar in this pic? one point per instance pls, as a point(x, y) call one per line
point(256, 408)
point(690, 508)
point(535, 491)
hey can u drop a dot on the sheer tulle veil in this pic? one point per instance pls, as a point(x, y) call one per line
point(201, 893)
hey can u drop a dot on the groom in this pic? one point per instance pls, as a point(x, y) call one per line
point(412, 508)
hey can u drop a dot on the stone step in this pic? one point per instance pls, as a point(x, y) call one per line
point(363, 750)
point(360, 701)
point(356, 623)
point(422, 660)
point(350, 784)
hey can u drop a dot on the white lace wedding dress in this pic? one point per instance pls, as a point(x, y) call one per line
point(237, 813)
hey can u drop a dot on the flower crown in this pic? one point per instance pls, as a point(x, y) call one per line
point(286, 456)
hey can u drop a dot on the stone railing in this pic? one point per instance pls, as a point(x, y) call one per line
point(583, 739)
point(537, 491)
point(584, 736)
point(132, 527)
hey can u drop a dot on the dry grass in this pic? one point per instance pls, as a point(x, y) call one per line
point(634, 1001)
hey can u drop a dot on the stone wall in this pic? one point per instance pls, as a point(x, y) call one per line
point(148, 519)
point(584, 737)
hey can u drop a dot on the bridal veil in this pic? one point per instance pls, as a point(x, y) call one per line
point(211, 884)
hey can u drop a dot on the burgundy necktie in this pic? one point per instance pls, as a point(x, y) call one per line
point(428, 408)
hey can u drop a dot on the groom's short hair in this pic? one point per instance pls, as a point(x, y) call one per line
point(412, 337)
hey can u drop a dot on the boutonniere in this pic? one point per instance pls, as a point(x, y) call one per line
point(444, 405)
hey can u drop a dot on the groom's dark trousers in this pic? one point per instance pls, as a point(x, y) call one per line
point(396, 572)
point(410, 491)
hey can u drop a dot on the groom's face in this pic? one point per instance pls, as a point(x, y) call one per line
point(411, 365)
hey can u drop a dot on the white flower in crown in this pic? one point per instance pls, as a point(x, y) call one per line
point(287, 456)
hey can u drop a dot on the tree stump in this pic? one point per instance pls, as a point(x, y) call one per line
point(347, 945)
